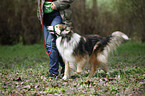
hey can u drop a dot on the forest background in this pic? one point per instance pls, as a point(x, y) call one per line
point(19, 22)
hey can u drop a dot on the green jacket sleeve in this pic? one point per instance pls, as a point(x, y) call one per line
point(62, 4)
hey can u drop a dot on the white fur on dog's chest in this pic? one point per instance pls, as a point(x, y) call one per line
point(66, 48)
point(67, 54)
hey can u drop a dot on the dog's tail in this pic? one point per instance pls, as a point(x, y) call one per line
point(108, 44)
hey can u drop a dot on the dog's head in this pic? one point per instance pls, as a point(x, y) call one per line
point(60, 29)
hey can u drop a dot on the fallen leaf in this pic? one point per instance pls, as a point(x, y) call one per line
point(108, 85)
point(18, 79)
point(27, 87)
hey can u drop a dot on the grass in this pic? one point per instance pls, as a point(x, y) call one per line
point(23, 71)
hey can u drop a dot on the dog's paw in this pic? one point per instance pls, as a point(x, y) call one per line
point(65, 77)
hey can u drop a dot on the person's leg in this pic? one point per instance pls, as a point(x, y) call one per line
point(54, 58)
point(60, 60)
point(53, 63)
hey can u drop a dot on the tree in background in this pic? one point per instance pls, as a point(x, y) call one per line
point(84, 19)
point(131, 16)
point(19, 22)
point(104, 17)
point(9, 30)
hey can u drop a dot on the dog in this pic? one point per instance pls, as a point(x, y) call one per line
point(77, 50)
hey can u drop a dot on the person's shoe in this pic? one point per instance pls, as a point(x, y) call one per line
point(52, 76)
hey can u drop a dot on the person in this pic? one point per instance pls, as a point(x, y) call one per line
point(61, 15)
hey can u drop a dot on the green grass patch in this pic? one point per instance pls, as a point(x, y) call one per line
point(23, 71)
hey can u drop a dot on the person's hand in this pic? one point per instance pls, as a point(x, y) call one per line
point(53, 6)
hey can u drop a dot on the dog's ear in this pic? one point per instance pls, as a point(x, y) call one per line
point(50, 28)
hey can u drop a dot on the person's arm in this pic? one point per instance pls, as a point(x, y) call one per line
point(61, 4)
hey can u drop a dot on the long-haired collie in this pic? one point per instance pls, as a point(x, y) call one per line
point(78, 51)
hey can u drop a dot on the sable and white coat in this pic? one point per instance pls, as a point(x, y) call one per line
point(77, 51)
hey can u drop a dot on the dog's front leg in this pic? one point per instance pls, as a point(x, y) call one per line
point(67, 71)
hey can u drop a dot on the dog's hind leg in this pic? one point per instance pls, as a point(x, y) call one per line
point(103, 59)
point(94, 64)
point(67, 71)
